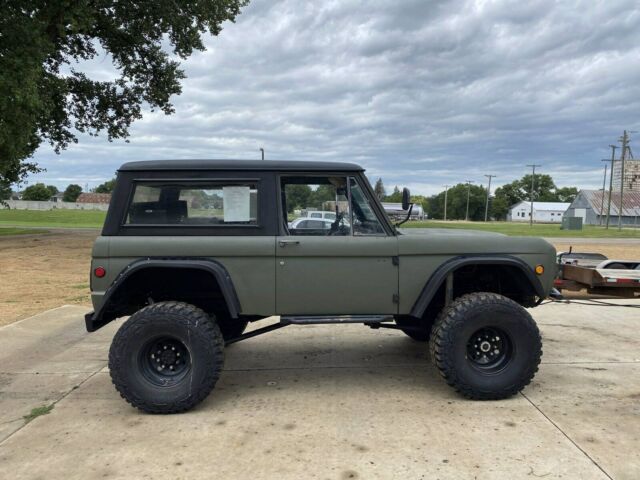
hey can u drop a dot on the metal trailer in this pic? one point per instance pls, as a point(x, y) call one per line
point(597, 274)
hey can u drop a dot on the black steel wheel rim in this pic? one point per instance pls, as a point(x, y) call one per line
point(489, 350)
point(164, 361)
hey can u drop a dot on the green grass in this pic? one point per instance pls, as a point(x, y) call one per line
point(19, 231)
point(537, 230)
point(38, 412)
point(53, 218)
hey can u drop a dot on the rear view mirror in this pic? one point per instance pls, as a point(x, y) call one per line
point(406, 198)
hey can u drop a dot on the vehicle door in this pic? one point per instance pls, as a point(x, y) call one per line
point(347, 268)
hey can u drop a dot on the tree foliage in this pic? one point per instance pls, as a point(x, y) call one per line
point(38, 191)
point(379, 189)
point(45, 97)
point(71, 193)
point(106, 187)
point(457, 203)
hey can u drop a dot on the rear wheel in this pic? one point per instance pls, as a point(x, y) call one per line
point(166, 358)
point(486, 346)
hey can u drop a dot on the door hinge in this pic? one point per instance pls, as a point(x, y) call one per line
point(396, 298)
point(395, 261)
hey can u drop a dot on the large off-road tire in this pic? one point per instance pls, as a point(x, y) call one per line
point(230, 327)
point(486, 346)
point(416, 328)
point(166, 358)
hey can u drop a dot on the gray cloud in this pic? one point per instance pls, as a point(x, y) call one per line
point(420, 93)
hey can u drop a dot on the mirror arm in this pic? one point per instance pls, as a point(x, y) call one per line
point(407, 217)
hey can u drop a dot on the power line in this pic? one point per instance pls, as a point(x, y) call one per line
point(604, 183)
point(613, 158)
point(469, 182)
point(486, 205)
point(533, 181)
point(446, 191)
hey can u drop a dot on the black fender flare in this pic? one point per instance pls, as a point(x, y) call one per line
point(98, 319)
point(440, 275)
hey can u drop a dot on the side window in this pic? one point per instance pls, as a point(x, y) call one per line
point(365, 220)
point(322, 193)
point(315, 215)
point(193, 203)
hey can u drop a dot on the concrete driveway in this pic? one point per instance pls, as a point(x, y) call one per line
point(334, 402)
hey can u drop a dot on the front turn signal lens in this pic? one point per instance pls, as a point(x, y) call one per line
point(539, 269)
point(99, 272)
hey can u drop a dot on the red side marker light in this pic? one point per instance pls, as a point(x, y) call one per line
point(99, 272)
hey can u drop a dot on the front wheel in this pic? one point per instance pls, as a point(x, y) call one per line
point(486, 346)
point(166, 358)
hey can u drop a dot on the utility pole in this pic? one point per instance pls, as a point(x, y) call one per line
point(469, 182)
point(486, 205)
point(262, 152)
point(625, 142)
point(533, 181)
point(613, 158)
point(604, 182)
point(446, 190)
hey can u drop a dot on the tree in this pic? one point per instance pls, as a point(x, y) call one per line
point(5, 191)
point(499, 208)
point(45, 97)
point(39, 191)
point(457, 203)
point(71, 193)
point(566, 194)
point(106, 187)
point(395, 197)
point(379, 189)
point(52, 189)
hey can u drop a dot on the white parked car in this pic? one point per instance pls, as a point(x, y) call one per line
point(321, 214)
point(310, 223)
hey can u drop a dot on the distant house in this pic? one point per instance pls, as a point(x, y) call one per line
point(57, 197)
point(543, 212)
point(589, 205)
point(16, 196)
point(94, 198)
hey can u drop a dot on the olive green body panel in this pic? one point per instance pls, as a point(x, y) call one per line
point(322, 275)
point(341, 275)
point(249, 261)
point(421, 254)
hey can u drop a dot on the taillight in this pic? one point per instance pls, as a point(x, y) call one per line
point(99, 272)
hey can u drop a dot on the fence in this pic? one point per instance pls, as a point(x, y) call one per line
point(38, 205)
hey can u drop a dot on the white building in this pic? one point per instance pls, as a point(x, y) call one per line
point(543, 212)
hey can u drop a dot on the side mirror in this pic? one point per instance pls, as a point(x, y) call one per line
point(406, 199)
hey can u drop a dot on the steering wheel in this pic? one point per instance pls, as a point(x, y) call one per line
point(336, 228)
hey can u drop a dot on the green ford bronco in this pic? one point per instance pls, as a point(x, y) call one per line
point(194, 251)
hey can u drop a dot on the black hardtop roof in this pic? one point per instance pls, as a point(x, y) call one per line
point(279, 165)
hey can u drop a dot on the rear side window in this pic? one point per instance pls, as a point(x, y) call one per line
point(187, 203)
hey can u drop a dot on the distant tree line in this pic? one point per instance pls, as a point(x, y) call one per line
point(545, 190)
point(42, 192)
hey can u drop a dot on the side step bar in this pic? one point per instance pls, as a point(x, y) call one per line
point(325, 319)
point(373, 321)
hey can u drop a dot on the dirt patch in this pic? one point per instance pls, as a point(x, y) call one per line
point(611, 250)
point(39, 272)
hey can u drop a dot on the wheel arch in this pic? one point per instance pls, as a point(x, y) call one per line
point(120, 291)
point(517, 269)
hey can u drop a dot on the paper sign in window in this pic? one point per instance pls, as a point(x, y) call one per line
point(236, 204)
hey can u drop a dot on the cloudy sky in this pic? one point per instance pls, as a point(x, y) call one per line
point(421, 93)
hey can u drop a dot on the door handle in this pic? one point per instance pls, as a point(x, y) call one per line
point(284, 243)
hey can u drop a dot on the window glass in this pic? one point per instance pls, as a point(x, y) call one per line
point(365, 220)
point(318, 198)
point(191, 203)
